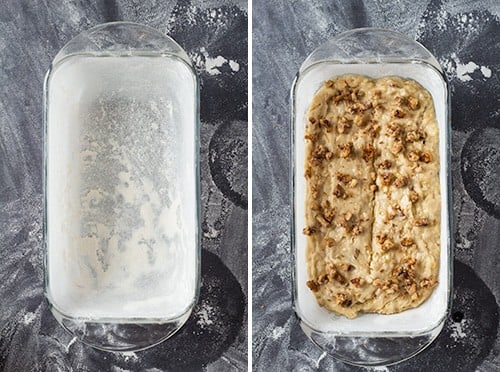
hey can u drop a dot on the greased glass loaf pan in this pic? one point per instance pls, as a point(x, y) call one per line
point(370, 339)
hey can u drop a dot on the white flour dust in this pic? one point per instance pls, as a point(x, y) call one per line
point(463, 71)
point(458, 330)
point(205, 316)
point(212, 65)
point(278, 332)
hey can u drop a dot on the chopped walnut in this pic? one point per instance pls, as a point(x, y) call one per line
point(407, 242)
point(339, 192)
point(426, 283)
point(394, 131)
point(387, 178)
point(421, 221)
point(387, 245)
point(329, 214)
point(412, 289)
point(329, 242)
point(345, 150)
point(308, 230)
point(319, 152)
point(324, 122)
point(399, 113)
point(386, 164)
point(313, 286)
point(347, 267)
point(347, 216)
point(400, 181)
point(400, 100)
point(413, 156)
point(426, 157)
point(397, 147)
point(381, 238)
point(322, 220)
point(414, 136)
point(338, 277)
point(343, 125)
point(406, 272)
point(343, 300)
point(311, 137)
point(353, 183)
point(372, 130)
point(323, 279)
point(395, 210)
point(413, 103)
point(357, 282)
point(356, 230)
point(345, 178)
point(368, 152)
point(414, 196)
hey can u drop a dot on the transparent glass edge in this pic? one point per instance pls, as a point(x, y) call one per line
point(431, 60)
point(447, 128)
point(62, 53)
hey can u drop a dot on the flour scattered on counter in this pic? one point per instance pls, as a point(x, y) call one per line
point(129, 355)
point(73, 340)
point(204, 316)
point(28, 318)
point(321, 357)
point(458, 330)
point(211, 65)
point(278, 332)
point(235, 66)
point(455, 67)
point(486, 71)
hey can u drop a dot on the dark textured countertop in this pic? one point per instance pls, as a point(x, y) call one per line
point(214, 33)
point(465, 38)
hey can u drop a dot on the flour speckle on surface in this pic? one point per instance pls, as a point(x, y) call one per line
point(28, 318)
point(464, 71)
point(321, 357)
point(212, 65)
point(278, 332)
point(205, 315)
point(235, 66)
point(486, 71)
point(458, 329)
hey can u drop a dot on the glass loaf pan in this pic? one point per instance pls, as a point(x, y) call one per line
point(121, 184)
point(369, 339)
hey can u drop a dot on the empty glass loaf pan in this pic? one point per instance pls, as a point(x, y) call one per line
point(369, 339)
point(121, 214)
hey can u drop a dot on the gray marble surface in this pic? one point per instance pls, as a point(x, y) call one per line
point(464, 36)
point(214, 33)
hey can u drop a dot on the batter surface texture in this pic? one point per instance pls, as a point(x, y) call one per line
point(372, 195)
